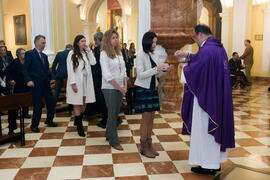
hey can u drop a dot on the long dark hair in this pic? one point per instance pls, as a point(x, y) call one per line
point(77, 53)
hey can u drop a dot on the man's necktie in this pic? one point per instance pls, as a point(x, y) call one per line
point(42, 58)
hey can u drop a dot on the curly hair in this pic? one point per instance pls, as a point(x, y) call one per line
point(106, 45)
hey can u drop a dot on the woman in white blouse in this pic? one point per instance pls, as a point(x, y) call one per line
point(80, 88)
point(114, 83)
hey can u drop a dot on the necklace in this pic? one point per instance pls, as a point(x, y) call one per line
point(119, 64)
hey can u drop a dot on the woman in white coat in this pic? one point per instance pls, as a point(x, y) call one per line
point(80, 88)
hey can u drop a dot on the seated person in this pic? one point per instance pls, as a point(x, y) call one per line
point(235, 69)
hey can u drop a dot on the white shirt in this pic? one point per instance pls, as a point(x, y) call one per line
point(112, 69)
point(3, 84)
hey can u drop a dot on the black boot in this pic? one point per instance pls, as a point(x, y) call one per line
point(78, 120)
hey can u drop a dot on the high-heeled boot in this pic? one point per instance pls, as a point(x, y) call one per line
point(78, 120)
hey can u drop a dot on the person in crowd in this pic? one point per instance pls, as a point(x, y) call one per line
point(9, 54)
point(100, 105)
point(248, 58)
point(40, 80)
point(207, 108)
point(59, 69)
point(131, 54)
point(148, 67)
point(80, 87)
point(3, 91)
point(3, 87)
point(130, 91)
point(114, 83)
point(235, 69)
point(5, 60)
point(16, 80)
point(124, 51)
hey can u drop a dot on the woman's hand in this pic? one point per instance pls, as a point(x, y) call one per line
point(74, 88)
point(123, 91)
point(87, 48)
point(12, 82)
point(163, 67)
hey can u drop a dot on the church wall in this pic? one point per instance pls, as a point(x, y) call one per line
point(132, 25)
point(102, 16)
point(13, 8)
point(58, 25)
point(74, 23)
point(257, 29)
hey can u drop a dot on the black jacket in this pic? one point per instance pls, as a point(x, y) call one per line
point(235, 66)
point(4, 62)
point(61, 61)
point(15, 72)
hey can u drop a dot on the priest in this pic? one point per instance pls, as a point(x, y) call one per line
point(207, 108)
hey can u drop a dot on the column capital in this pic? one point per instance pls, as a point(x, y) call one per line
point(89, 24)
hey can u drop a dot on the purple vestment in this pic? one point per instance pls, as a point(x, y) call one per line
point(208, 78)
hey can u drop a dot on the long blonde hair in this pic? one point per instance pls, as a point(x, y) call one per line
point(106, 45)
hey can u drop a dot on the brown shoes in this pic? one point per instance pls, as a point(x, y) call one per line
point(119, 148)
point(145, 150)
point(149, 143)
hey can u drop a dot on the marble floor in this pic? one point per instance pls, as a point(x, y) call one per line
point(59, 153)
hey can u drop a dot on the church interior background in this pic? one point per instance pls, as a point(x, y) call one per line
point(47, 154)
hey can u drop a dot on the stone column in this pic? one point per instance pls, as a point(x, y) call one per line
point(225, 20)
point(240, 25)
point(144, 21)
point(173, 33)
point(41, 23)
point(2, 32)
point(125, 29)
point(266, 40)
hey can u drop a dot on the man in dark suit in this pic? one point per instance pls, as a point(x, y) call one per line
point(16, 80)
point(235, 69)
point(9, 54)
point(124, 51)
point(60, 72)
point(40, 80)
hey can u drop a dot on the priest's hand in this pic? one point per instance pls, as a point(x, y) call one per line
point(180, 54)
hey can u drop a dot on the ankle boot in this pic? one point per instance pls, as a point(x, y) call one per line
point(149, 143)
point(80, 130)
point(145, 150)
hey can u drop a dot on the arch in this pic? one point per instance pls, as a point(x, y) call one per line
point(89, 9)
point(214, 8)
